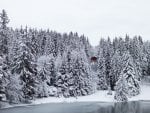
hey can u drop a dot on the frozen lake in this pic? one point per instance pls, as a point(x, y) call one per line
point(91, 107)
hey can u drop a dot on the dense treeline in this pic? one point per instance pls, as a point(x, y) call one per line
point(121, 64)
point(41, 63)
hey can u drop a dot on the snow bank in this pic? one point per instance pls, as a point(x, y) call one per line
point(144, 95)
point(100, 96)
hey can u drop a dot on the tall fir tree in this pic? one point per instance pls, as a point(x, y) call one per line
point(116, 67)
point(121, 89)
point(108, 56)
point(130, 73)
point(4, 36)
point(101, 73)
point(3, 81)
point(24, 65)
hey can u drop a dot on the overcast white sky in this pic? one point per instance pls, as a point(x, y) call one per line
point(94, 18)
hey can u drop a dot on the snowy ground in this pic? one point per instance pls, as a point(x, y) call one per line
point(100, 96)
point(144, 95)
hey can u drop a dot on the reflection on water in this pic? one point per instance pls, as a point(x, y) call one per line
point(126, 107)
point(131, 107)
point(94, 107)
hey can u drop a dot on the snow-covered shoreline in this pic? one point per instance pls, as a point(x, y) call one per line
point(100, 96)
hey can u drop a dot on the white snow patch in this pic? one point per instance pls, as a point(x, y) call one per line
point(99, 96)
point(144, 95)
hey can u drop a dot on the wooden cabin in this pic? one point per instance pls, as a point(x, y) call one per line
point(93, 59)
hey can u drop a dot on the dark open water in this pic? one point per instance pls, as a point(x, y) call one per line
point(91, 107)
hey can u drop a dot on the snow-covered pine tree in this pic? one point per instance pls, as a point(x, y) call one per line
point(130, 73)
point(62, 80)
point(43, 79)
point(54, 43)
point(4, 19)
point(14, 90)
point(64, 75)
point(146, 51)
point(44, 72)
point(24, 65)
point(48, 45)
point(121, 89)
point(116, 67)
point(136, 51)
point(101, 73)
point(82, 73)
point(52, 70)
point(142, 60)
point(46, 75)
point(115, 43)
point(121, 46)
point(127, 42)
point(42, 36)
point(4, 37)
point(86, 45)
point(108, 56)
point(32, 41)
point(61, 48)
point(3, 81)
